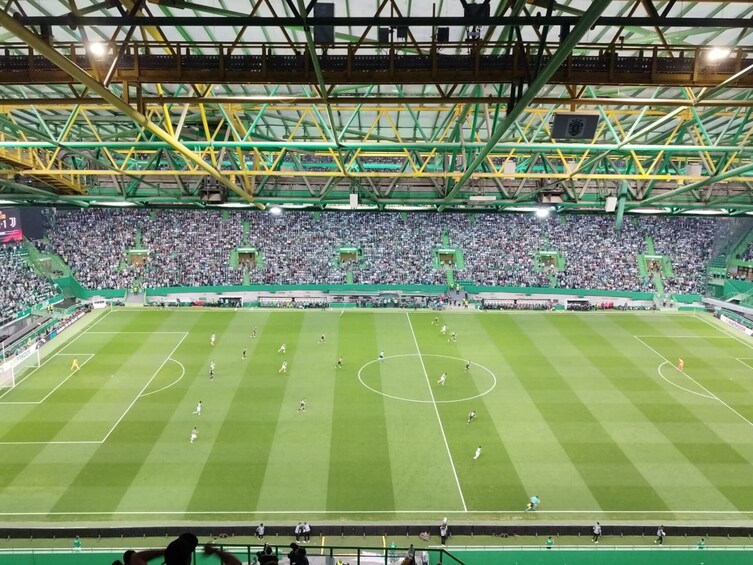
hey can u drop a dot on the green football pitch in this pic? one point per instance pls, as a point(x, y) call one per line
point(587, 411)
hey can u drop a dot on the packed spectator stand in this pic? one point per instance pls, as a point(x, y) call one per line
point(21, 287)
point(193, 248)
point(688, 243)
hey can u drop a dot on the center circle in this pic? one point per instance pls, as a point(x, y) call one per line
point(423, 370)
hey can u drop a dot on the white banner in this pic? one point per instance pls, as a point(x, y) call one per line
point(19, 358)
point(736, 325)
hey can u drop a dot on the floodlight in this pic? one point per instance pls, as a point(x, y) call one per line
point(97, 48)
point(275, 210)
point(543, 212)
point(718, 53)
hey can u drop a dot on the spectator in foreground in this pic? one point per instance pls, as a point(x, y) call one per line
point(226, 558)
point(266, 556)
point(178, 552)
point(132, 557)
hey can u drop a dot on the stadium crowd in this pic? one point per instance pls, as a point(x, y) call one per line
point(194, 248)
point(688, 244)
point(94, 244)
point(21, 287)
point(190, 248)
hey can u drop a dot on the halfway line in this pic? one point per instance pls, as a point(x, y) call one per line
point(436, 410)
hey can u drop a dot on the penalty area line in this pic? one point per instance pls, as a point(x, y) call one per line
point(714, 396)
point(141, 392)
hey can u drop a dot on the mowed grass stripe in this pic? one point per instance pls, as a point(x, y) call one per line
point(259, 403)
point(360, 471)
point(492, 481)
point(612, 478)
point(34, 477)
point(601, 384)
point(413, 428)
point(87, 404)
point(714, 365)
point(221, 457)
point(298, 463)
point(674, 413)
point(108, 475)
point(507, 416)
point(151, 463)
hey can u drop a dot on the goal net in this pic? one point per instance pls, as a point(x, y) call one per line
point(13, 368)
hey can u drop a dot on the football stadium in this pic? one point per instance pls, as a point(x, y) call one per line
point(398, 282)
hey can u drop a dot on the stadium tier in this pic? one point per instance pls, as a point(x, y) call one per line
point(193, 248)
point(20, 287)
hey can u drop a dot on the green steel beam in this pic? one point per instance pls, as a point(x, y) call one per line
point(566, 47)
point(738, 171)
point(87, 80)
point(394, 147)
point(317, 71)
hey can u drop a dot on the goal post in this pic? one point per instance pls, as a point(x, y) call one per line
point(13, 368)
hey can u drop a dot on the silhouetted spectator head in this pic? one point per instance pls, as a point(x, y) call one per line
point(180, 550)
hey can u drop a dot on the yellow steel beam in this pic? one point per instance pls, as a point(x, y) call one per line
point(87, 80)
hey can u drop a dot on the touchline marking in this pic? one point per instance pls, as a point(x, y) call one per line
point(696, 382)
point(687, 336)
point(115, 425)
point(79, 336)
point(150, 333)
point(84, 442)
point(342, 512)
point(436, 411)
point(724, 331)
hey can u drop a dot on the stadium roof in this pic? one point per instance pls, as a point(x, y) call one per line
point(443, 104)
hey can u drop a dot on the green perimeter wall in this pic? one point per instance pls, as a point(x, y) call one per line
point(72, 285)
point(81, 558)
point(436, 290)
point(602, 556)
point(41, 306)
point(555, 556)
point(407, 289)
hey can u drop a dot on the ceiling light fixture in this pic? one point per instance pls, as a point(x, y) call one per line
point(718, 53)
point(97, 48)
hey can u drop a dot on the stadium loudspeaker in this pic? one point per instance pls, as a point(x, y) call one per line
point(443, 35)
point(324, 34)
point(611, 204)
point(383, 35)
point(402, 32)
point(354, 201)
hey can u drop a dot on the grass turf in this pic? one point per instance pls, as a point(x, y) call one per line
point(587, 411)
